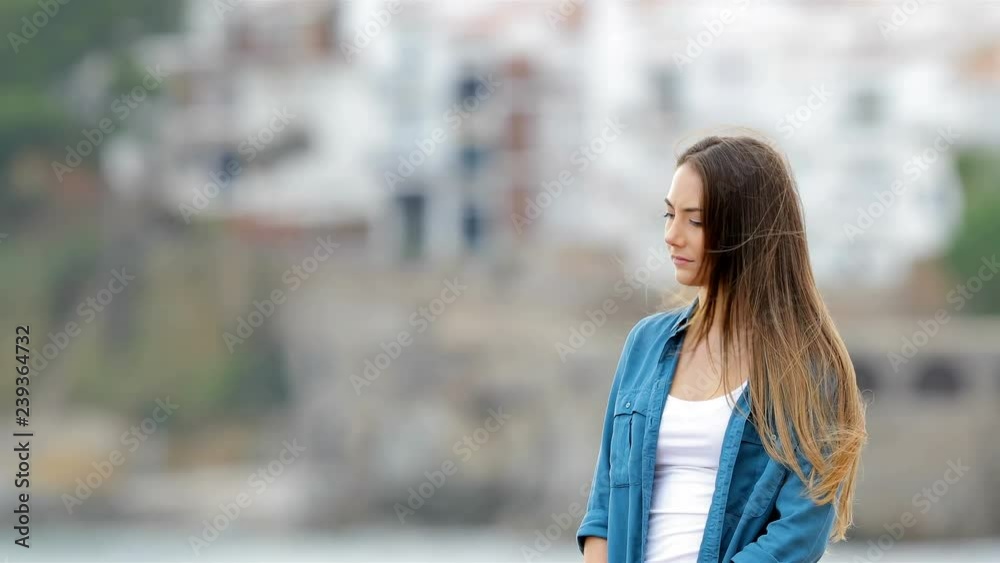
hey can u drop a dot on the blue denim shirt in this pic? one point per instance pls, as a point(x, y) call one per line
point(758, 511)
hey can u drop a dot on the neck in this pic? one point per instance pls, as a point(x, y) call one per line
point(715, 326)
point(702, 300)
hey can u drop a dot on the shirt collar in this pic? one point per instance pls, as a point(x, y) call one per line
point(681, 320)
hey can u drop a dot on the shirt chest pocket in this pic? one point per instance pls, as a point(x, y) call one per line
point(629, 427)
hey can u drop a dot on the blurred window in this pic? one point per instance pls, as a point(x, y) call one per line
point(867, 377)
point(230, 168)
point(866, 107)
point(472, 158)
point(240, 37)
point(665, 88)
point(467, 88)
point(322, 40)
point(413, 210)
point(472, 227)
point(939, 377)
point(518, 127)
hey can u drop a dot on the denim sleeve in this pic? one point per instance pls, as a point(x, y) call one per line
point(800, 533)
point(595, 520)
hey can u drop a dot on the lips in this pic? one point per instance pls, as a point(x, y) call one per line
point(679, 260)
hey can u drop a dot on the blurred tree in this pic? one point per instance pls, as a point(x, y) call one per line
point(43, 44)
point(53, 245)
point(977, 241)
point(256, 380)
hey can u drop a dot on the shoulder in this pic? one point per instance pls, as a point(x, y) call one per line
point(663, 324)
point(643, 346)
point(654, 329)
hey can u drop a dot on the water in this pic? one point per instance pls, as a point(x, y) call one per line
point(370, 545)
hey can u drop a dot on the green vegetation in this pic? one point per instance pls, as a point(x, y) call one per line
point(978, 235)
point(37, 61)
point(162, 335)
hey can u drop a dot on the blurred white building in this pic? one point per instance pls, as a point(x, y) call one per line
point(264, 119)
point(442, 130)
point(855, 110)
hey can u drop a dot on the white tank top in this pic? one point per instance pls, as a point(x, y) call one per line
point(687, 460)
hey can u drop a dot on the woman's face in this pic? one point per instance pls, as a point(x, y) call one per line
point(683, 231)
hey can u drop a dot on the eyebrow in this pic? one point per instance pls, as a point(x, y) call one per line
point(689, 209)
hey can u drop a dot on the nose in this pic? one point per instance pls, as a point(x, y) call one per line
point(672, 236)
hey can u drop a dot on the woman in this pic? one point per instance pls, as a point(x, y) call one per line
point(753, 456)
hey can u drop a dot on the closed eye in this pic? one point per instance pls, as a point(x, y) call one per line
point(692, 221)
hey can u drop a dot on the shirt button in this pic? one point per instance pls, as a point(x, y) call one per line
point(627, 405)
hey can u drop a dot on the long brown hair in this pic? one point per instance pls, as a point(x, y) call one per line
point(759, 284)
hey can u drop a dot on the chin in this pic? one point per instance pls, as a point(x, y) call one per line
point(684, 279)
